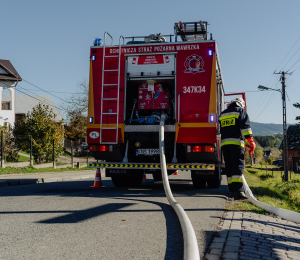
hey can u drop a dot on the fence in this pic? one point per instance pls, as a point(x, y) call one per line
point(71, 157)
point(277, 169)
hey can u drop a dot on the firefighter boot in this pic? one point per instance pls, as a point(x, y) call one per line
point(240, 195)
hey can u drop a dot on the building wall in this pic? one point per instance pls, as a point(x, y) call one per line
point(293, 158)
point(9, 114)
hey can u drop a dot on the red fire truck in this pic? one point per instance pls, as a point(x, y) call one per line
point(131, 84)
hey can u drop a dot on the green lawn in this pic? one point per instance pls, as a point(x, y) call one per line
point(270, 190)
point(25, 152)
point(30, 169)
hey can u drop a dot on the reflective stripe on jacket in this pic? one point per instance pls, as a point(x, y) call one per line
point(235, 126)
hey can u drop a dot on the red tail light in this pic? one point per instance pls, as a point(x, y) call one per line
point(200, 148)
point(196, 149)
point(102, 148)
point(208, 149)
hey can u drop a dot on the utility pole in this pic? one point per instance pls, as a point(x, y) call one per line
point(284, 141)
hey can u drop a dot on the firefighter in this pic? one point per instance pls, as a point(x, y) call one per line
point(235, 128)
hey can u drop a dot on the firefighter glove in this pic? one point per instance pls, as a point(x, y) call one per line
point(252, 144)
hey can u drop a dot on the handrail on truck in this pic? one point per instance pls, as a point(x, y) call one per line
point(179, 109)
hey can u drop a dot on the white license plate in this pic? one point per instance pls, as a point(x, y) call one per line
point(147, 152)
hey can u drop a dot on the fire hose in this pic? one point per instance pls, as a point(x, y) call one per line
point(191, 251)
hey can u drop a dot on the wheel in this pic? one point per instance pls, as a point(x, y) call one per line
point(132, 179)
point(119, 181)
point(198, 181)
point(216, 181)
point(135, 180)
point(157, 176)
point(213, 184)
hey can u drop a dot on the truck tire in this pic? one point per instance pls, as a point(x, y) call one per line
point(157, 176)
point(199, 182)
point(118, 181)
point(133, 179)
point(216, 181)
point(214, 184)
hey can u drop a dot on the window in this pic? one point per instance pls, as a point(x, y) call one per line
point(6, 105)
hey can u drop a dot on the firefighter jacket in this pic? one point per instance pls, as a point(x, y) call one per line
point(235, 126)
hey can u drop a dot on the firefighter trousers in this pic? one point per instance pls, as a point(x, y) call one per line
point(234, 167)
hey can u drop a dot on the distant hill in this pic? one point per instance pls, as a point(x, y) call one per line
point(266, 129)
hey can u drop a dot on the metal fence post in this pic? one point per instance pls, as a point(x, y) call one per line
point(53, 155)
point(31, 162)
point(72, 163)
point(87, 158)
point(2, 152)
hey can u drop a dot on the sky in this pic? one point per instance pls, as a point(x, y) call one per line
point(48, 42)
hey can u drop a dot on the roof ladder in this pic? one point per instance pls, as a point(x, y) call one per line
point(116, 125)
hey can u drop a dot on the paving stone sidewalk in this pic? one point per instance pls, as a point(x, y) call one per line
point(250, 236)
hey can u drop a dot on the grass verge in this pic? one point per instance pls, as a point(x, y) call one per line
point(30, 169)
point(270, 190)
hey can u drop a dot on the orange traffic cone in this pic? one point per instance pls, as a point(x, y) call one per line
point(98, 182)
point(144, 176)
point(176, 173)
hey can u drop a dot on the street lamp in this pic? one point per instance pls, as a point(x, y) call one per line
point(284, 143)
point(260, 87)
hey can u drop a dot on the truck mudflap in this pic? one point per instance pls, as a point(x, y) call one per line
point(187, 166)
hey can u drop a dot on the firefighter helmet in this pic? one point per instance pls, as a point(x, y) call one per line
point(239, 101)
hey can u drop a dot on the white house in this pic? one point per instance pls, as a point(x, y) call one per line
point(13, 106)
point(9, 78)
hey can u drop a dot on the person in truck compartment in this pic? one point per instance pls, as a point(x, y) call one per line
point(235, 127)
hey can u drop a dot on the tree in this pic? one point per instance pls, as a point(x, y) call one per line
point(10, 150)
point(258, 152)
point(41, 125)
point(77, 125)
point(78, 101)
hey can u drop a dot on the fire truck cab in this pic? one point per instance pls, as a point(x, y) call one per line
point(133, 83)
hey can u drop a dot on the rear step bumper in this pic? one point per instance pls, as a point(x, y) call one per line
point(188, 166)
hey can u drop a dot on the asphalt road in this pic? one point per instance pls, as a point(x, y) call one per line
point(68, 220)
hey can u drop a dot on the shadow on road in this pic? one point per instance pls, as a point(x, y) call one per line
point(144, 194)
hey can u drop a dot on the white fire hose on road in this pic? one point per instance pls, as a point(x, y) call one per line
point(191, 251)
point(283, 213)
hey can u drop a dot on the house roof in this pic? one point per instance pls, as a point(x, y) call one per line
point(25, 103)
point(293, 136)
point(8, 72)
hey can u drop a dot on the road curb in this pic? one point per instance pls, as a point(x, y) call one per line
point(17, 182)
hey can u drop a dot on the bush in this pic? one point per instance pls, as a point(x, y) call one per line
point(271, 160)
point(12, 156)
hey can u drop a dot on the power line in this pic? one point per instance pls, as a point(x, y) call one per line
point(288, 53)
point(290, 103)
point(295, 69)
point(271, 98)
point(45, 91)
point(294, 64)
point(38, 99)
point(61, 92)
point(43, 101)
point(290, 58)
point(260, 102)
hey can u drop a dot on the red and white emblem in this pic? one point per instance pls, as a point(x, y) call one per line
point(194, 64)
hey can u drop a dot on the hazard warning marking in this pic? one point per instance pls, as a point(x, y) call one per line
point(151, 166)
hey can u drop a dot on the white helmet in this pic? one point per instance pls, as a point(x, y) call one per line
point(239, 101)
